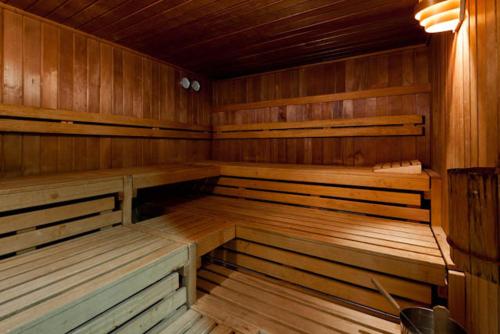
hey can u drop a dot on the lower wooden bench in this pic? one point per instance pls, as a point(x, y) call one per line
point(117, 279)
point(207, 233)
point(331, 229)
point(332, 252)
point(252, 305)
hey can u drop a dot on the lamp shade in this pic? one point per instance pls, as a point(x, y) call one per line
point(438, 15)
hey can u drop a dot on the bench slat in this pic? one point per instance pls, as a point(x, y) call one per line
point(334, 221)
point(350, 122)
point(366, 321)
point(228, 308)
point(368, 131)
point(327, 203)
point(357, 176)
point(61, 231)
point(119, 314)
point(422, 268)
point(318, 226)
point(396, 286)
point(170, 319)
point(20, 297)
point(32, 260)
point(156, 178)
point(315, 282)
point(345, 192)
point(154, 314)
point(44, 127)
point(208, 233)
point(59, 193)
point(68, 258)
point(112, 284)
point(382, 224)
point(183, 323)
point(46, 216)
point(19, 111)
point(388, 243)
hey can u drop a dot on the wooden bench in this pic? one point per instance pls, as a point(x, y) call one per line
point(133, 179)
point(331, 228)
point(69, 263)
point(206, 232)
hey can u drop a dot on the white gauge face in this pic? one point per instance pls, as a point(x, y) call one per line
point(185, 83)
point(196, 86)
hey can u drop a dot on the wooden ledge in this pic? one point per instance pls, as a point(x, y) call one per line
point(398, 125)
point(15, 118)
point(327, 174)
point(362, 94)
point(142, 177)
point(17, 111)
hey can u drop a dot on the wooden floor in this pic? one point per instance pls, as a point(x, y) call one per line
point(194, 322)
point(250, 304)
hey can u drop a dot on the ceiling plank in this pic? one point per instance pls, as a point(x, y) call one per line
point(224, 38)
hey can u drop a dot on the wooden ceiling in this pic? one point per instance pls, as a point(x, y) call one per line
point(224, 38)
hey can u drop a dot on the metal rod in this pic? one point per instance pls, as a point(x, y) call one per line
point(394, 303)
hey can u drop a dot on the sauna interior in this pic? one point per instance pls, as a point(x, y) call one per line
point(258, 166)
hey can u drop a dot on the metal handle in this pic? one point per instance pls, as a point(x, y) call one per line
point(386, 294)
point(394, 303)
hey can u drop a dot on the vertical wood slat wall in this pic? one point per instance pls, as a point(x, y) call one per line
point(466, 122)
point(48, 65)
point(465, 106)
point(406, 67)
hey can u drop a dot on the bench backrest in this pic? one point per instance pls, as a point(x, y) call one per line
point(355, 190)
point(43, 210)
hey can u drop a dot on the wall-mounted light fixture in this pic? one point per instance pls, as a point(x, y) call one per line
point(195, 85)
point(185, 83)
point(440, 15)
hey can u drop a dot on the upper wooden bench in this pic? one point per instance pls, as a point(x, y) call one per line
point(306, 223)
point(132, 180)
point(153, 176)
point(70, 263)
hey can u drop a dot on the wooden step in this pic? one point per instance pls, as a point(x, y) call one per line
point(99, 281)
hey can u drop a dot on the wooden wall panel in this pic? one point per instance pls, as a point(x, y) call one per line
point(51, 66)
point(466, 122)
point(466, 109)
point(404, 67)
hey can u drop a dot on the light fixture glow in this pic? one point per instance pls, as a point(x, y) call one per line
point(185, 83)
point(438, 15)
point(195, 85)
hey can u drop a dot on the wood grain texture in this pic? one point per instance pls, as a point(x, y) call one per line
point(250, 318)
point(45, 65)
point(466, 122)
point(387, 74)
point(354, 95)
point(256, 35)
point(357, 127)
point(475, 244)
point(465, 78)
